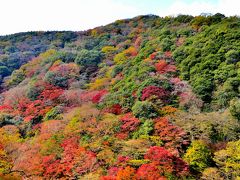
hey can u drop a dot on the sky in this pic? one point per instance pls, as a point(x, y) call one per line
point(76, 15)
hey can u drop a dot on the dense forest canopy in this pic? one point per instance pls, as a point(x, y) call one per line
point(147, 98)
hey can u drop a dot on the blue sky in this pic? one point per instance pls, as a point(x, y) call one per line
point(35, 15)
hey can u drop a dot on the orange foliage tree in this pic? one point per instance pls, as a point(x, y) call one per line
point(173, 137)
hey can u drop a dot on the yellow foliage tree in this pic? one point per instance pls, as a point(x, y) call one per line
point(109, 49)
point(99, 84)
point(228, 159)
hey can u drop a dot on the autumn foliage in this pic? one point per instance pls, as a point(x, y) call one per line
point(97, 98)
point(129, 123)
point(163, 67)
point(165, 161)
point(75, 160)
point(174, 137)
point(149, 172)
point(148, 98)
point(115, 109)
point(159, 92)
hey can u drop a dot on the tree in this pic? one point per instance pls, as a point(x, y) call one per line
point(211, 174)
point(13, 96)
point(109, 49)
point(159, 92)
point(211, 127)
point(126, 173)
point(34, 90)
point(29, 160)
point(235, 108)
point(163, 67)
point(106, 156)
point(99, 96)
point(54, 113)
point(203, 86)
point(160, 65)
point(124, 55)
point(88, 58)
point(149, 172)
point(166, 162)
point(198, 156)
point(224, 72)
point(62, 74)
point(16, 77)
point(131, 51)
point(198, 21)
point(166, 44)
point(50, 93)
point(217, 17)
point(4, 71)
point(5, 161)
point(228, 160)
point(120, 58)
point(129, 123)
point(232, 56)
point(99, 83)
point(114, 109)
point(173, 137)
point(144, 109)
point(75, 161)
point(144, 130)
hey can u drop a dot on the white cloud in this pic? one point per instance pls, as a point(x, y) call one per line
point(30, 15)
point(227, 7)
point(35, 15)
